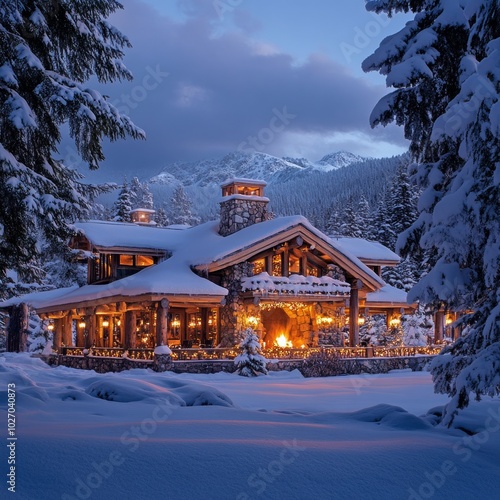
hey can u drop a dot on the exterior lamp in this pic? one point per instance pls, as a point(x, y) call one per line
point(105, 323)
point(361, 321)
point(50, 327)
point(82, 324)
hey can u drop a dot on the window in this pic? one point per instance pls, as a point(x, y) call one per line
point(277, 265)
point(143, 261)
point(312, 270)
point(126, 260)
point(136, 260)
point(293, 265)
point(259, 266)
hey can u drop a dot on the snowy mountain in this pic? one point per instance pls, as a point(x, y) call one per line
point(250, 165)
point(334, 161)
point(295, 185)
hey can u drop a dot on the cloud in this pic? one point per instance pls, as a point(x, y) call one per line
point(222, 87)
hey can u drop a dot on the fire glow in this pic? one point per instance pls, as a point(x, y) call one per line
point(282, 341)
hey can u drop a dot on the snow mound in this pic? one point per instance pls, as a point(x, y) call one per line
point(391, 416)
point(175, 393)
point(195, 394)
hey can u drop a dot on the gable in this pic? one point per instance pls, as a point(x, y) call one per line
point(260, 238)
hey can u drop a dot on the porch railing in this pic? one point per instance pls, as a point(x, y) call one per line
point(203, 354)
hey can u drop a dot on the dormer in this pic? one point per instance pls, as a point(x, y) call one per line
point(243, 204)
point(142, 216)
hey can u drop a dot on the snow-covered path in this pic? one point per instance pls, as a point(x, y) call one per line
point(282, 437)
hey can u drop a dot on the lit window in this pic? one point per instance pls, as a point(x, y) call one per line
point(277, 265)
point(312, 271)
point(126, 260)
point(143, 261)
point(259, 266)
point(293, 265)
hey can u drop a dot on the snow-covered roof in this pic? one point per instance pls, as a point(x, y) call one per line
point(38, 299)
point(200, 247)
point(366, 250)
point(387, 295)
point(147, 210)
point(126, 235)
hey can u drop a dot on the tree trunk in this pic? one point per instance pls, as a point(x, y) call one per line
point(17, 331)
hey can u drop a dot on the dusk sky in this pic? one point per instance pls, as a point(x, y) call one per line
point(278, 76)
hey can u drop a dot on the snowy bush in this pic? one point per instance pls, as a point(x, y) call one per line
point(250, 362)
point(372, 332)
point(418, 328)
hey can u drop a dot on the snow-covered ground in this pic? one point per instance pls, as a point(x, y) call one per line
point(167, 436)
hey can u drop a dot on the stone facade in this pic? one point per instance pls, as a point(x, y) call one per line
point(232, 312)
point(239, 212)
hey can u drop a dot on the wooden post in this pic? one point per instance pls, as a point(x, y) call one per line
point(204, 324)
point(57, 334)
point(354, 314)
point(91, 329)
point(80, 334)
point(17, 329)
point(161, 322)
point(438, 327)
point(130, 330)
point(67, 330)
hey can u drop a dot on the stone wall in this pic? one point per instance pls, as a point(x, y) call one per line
point(238, 213)
point(344, 366)
point(98, 363)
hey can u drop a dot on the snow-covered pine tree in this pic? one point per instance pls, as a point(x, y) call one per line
point(161, 218)
point(444, 68)
point(48, 50)
point(381, 229)
point(418, 328)
point(181, 209)
point(140, 195)
point(350, 224)
point(403, 196)
point(123, 205)
point(250, 362)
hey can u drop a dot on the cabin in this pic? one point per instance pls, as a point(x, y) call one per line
point(201, 286)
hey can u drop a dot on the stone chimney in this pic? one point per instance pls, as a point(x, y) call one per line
point(243, 204)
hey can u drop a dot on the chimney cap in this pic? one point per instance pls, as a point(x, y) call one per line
point(243, 181)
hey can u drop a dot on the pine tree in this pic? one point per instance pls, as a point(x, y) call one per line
point(48, 50)
point(381, 229)
point(140, 195)
point(444, 68)
point(161, 218)
point(350, 225)
point(180, 209)
point(123, 205)
point(250, 362)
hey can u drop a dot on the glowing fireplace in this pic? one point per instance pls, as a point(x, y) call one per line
point(282, 341)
